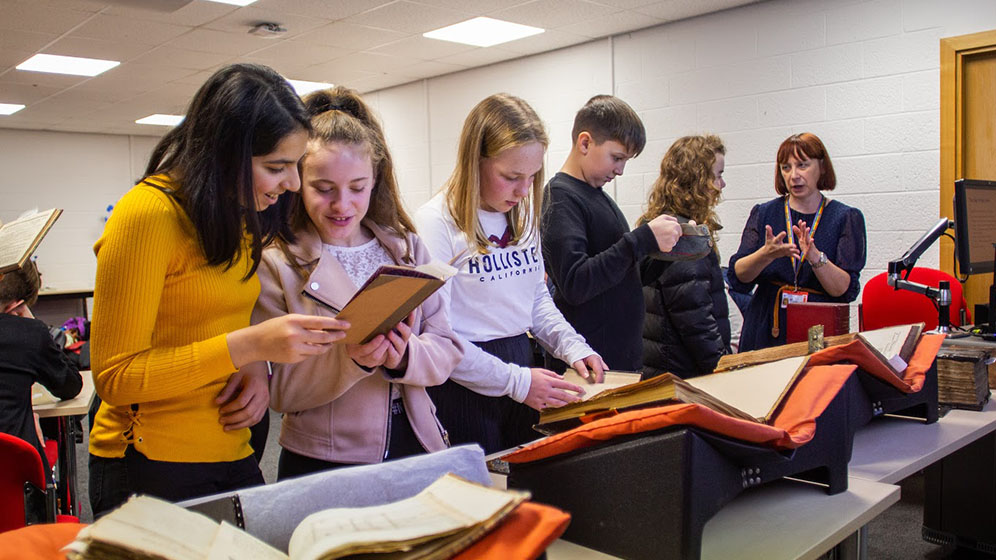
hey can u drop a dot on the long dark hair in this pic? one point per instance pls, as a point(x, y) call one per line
point(241, 111)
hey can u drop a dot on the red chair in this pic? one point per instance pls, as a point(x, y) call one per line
point(26, 497)
point(884, 306)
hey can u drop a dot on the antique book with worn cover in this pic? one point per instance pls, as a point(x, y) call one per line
point(20, 238)
point(445, 518)
point(963, 377)
point(753, 394)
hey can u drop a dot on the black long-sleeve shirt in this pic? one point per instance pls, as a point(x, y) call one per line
point(592, 258)
point(28, 355)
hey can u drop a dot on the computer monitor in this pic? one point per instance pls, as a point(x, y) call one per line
point(975, 225)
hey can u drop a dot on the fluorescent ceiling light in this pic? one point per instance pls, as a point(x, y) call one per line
point(234, 2)
point(483, 32)
point(10, 108)
point(67, 65)
point(163, 120)
point(304, 87)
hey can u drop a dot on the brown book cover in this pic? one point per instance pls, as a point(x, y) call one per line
point(20, 238)
point(388, 296)
point(799, 317)
point(962, 377)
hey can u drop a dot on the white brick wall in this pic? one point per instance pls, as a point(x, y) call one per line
point(81, 173)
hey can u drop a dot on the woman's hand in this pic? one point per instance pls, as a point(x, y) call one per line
point(547, 389)
point(245, 397)
point(388, 350)
point(776, 247)
point(287, 339)
point(806, 245)
point(597, 366)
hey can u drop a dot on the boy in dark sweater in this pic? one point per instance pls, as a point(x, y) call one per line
point(591, 255)
point(28, 355)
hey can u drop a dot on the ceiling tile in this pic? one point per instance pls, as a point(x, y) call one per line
point(619, 22)
point(366, 62)
point(241, 21)
point(623, 4)
point(351, 36)
point(43, 19)
point(475, 6)
point(409, 17)
point(551, 14)
point(24, 93)
point(297, 54)
point(181, 58)
point(121, 51)
point(194, 14)
point(120, 28)
point(479, 57)
point(670, 10)
point(42, 78)
point(546, 41)
point(338, 9)
point(26, 41)
point(220, 42)
point(380, 81)
point(421, 47)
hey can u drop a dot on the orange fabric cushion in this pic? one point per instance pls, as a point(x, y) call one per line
point(794, 424)
point(525, 533)
point(857, 353)
point(38, 542)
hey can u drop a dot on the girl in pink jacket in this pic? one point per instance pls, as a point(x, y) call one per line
point(357, 403)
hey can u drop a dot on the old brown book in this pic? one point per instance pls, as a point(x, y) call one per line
point(962, 377)
point(753, 394)
point(20, 238)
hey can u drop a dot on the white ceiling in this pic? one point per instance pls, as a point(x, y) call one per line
point(167, 48)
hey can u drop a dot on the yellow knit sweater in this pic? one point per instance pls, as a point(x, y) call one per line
point(160, 320)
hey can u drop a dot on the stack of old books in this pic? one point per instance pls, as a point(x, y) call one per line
point(962, 377)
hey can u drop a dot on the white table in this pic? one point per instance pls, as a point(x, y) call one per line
point(891, 449)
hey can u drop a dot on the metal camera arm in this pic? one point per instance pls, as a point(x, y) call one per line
point(942, 293)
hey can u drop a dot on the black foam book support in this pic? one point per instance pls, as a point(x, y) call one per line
point(877, 398)
point(649, 495)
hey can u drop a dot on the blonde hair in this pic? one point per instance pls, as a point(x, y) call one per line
point(499, 122)
point(686, 186)
point(339, 115)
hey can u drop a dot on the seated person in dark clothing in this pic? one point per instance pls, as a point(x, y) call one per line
point(687, 326)
point(28, 355)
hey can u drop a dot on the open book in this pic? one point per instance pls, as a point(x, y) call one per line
point(20, 238)
point(443, 519)
point(893, 345)
point(388, 296)
point(753, 394)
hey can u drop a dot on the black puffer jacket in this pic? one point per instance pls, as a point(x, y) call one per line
point(687, 325)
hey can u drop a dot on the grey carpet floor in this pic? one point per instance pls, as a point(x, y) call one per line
point(894, 535)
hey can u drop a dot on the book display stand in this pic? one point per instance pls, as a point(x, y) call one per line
point(649, 495)
point(878, 398)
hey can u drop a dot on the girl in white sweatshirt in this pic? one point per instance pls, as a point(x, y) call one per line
point(487, 218)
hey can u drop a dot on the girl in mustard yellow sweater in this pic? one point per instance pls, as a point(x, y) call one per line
point(179, 370)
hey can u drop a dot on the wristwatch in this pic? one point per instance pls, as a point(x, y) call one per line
point(821, 262)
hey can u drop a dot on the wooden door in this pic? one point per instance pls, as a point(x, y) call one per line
point(968, 122)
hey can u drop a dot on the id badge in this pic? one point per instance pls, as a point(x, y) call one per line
point(793, 297)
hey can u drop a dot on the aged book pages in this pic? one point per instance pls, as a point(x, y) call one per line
point(446, 517)
point(612, 380)
point(893, 345)
point(753, 393)
point(20, 238)
point(449, 506)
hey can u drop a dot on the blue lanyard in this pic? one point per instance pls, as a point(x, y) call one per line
point(791, 234)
